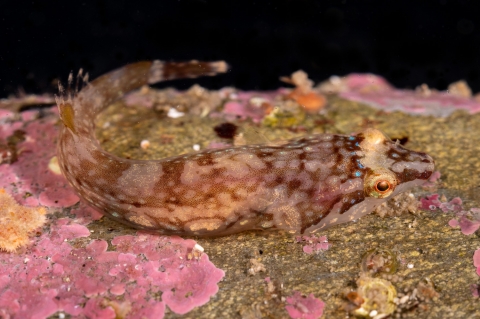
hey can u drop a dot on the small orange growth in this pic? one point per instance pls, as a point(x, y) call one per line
point(312, 102)
point(267, 107)
point(355, 298)
point(17, 221)
point(303, 93)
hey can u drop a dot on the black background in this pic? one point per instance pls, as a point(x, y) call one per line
point(408, 42)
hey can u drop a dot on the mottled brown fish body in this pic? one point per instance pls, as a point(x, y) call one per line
point(301, 186)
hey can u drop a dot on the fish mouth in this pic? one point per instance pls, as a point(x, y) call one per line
point(427, 159)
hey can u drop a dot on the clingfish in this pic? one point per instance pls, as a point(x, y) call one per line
point(301, 186)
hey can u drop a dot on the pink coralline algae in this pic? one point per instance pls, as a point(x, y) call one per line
point(30, 179)
point(355, 82)
point(475, 290)
point(432, 181)
point(84, 214)
point(253, 105)
point(455, 205)
point(313, 244)
point(467, 220)
point(376, 92)
point(430, 202)
point(92, 282)
point(476, 260)
point(299, 306)
point(366, 83)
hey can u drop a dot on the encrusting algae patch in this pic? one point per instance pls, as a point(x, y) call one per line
point(17, 222)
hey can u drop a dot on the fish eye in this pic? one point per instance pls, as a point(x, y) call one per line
point(380, 183)
point(382, 186)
